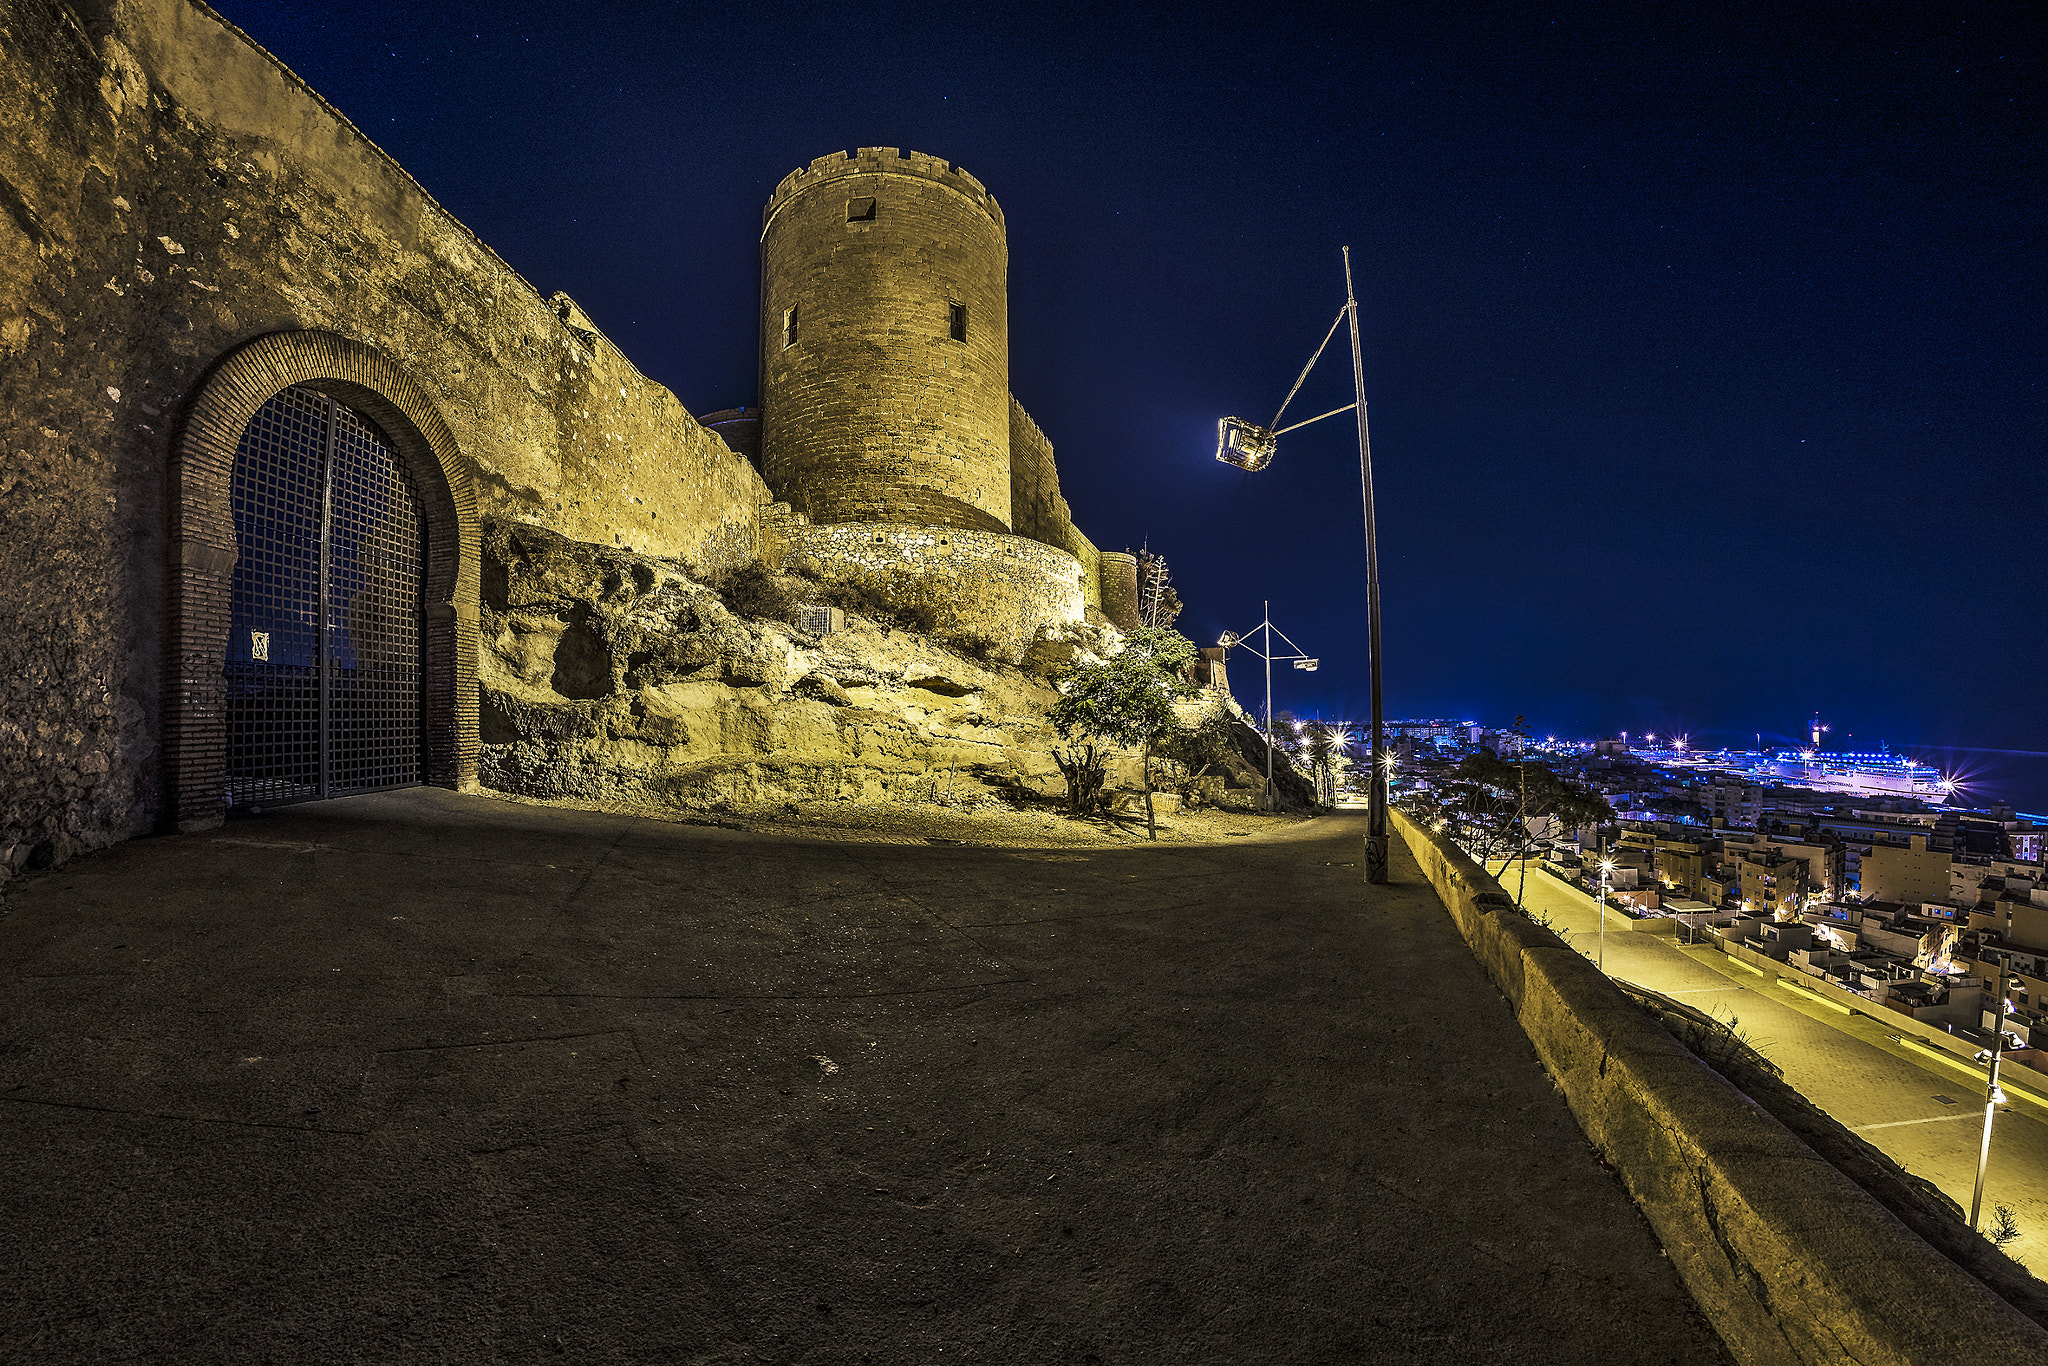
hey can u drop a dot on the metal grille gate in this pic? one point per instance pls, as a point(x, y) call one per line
point(323, 659)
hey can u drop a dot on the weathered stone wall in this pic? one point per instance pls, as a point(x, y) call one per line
point(972, 584)
point(1036, 508)
point(1119, 574)
point(872, 411)
point(169, 192)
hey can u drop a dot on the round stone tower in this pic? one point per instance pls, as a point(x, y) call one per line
point(885, 343)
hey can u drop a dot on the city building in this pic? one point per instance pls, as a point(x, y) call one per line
point(1733, 803)
point(1825, 857)
point(1913, 873)
point(2009, 925)
point(1771, 882)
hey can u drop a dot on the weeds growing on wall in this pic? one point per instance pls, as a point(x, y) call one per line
point(755, 591)
point(987, 649)
point(862, 601)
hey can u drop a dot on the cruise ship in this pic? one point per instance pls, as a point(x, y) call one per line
point(1881, 772)
point(1877, 773)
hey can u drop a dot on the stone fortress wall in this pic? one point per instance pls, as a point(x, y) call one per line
point(885, 343)
point(170, 196)
point(1036, 508)
point(885, 402)
point(186, 227)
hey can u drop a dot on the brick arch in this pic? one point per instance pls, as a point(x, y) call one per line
point(203, 554)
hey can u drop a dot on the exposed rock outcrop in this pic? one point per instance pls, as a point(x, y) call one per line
point(610, 675)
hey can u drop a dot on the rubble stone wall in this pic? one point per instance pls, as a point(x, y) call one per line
point(169, 193)
point(973, 584)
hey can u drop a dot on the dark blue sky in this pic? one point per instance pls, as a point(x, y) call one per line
point(1703, 348)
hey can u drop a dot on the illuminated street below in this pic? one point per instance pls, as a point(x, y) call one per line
point(1848, 1065)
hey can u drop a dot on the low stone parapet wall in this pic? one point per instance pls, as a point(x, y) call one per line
point(1790, 1260)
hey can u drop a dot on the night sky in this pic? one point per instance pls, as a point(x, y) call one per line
point(1703, 345)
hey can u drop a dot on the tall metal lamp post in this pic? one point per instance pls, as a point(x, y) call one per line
point(1264, 650)
point(1606, 868)
point(1250, 447)
point(1993, 1096)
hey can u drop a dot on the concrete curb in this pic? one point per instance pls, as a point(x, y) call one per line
point(1789, 1259)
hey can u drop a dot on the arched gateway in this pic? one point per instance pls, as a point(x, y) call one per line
point(323, 583)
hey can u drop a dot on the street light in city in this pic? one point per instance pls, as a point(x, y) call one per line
point(1606, 867)
point(1250, 447)
point(1993, 1097)
point(1266, 651)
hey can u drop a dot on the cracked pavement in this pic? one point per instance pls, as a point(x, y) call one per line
point(423, 1077)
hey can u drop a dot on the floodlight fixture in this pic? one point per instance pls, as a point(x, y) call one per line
point(1308, 665)
point(1244, 444)
point(1227, 639)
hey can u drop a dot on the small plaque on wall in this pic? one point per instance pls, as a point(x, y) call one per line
point(259, 645)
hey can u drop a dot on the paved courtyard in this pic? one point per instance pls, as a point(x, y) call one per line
point(421, 1077)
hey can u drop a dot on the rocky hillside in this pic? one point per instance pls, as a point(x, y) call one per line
point(613, 676)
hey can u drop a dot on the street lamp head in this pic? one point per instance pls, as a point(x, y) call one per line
point(1244, 444)
point(1228, 639)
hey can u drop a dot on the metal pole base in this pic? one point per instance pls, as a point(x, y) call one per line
point(1376, 870)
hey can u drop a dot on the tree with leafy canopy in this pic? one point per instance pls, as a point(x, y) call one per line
point(1485, 800)
point(1127, 700)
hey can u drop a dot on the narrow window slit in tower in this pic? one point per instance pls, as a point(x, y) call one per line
point(959, 322)
point(860, 210)
point(789, 326)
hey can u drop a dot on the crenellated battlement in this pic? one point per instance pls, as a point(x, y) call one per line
point(880, 161)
